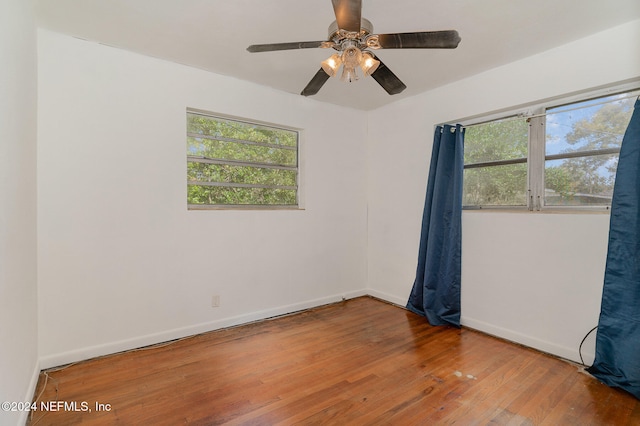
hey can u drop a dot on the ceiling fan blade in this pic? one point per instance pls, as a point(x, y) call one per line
point(286, 46)
point(420, 40)
point(348, 14)
point(387, 79)
point(316, 83)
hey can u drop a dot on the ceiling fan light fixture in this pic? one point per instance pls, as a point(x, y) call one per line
point(352, 36)
point(331, 65)
point(368, 63)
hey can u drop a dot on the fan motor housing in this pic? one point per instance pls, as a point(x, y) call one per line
point(335, 34)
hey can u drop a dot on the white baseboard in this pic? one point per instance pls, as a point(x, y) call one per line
point(81, 354)
point(164, 336)
point(565, 352)
point(30, 395)
point(387, 297)
point(568, 353)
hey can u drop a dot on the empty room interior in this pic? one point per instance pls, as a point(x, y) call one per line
point(120, 230)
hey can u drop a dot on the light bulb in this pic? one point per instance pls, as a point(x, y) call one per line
point(331, 65)
point(368, 63)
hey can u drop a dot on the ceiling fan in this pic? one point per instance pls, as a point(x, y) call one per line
point(351, 36)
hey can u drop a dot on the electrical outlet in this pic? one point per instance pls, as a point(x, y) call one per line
point(215, 301)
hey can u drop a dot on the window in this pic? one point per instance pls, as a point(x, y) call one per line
point(237, 164)
point(495, 157)
point(562, 155)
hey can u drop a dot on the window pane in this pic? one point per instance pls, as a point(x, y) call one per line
point(495, 141)
point(240, 152)
point(495, 186)
point(589, 125)
point(500, 185)
point(241, 196)
point(202, 172)
point(213, 126)
point(592, 125)
point(581, 181)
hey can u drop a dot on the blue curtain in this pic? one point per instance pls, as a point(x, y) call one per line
point(617, 361)
point(436, 289)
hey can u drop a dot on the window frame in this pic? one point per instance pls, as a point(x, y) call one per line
point(536, 115)
point(201, 159)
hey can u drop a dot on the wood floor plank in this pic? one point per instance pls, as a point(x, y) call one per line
point(362, 361)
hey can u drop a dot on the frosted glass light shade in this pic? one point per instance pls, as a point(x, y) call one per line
point(331, 65)
point(368, 63)
point(351, 58)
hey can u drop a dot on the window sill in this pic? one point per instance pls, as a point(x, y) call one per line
point(199, 207)
point(548, 210)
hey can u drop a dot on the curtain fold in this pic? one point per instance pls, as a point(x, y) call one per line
point(617, 361)
point(436, 289)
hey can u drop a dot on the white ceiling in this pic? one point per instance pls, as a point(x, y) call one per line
point(213, 35)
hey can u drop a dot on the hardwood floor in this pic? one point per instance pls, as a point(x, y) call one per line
point(361, 362)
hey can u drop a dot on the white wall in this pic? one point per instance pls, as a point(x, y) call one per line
point(122, 262)
point(529, 277)
point(18, 315)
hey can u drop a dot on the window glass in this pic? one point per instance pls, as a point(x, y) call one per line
point(495, 186)
point(580, 181)
point(495, 157)
point(581, 150)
